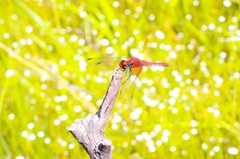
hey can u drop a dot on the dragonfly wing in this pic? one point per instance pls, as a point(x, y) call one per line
point(128, 87)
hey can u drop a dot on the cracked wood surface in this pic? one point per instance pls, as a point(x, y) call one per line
point(89, 132)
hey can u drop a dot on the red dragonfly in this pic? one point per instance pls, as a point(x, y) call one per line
point(133, 66)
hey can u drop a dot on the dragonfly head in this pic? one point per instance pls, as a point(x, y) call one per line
point(123, 65)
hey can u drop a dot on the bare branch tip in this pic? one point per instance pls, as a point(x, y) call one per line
point(118, 73)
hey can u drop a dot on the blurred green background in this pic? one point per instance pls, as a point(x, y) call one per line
point(188, 110)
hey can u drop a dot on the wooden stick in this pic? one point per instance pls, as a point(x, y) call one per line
point(89, 132)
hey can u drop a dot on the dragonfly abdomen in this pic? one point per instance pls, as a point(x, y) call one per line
point(145, 63)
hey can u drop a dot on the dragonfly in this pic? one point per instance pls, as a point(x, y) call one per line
point(133, 67)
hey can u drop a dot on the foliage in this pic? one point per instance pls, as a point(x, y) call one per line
point(188, 110)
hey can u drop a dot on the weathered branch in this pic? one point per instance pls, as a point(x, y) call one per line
point(89, 132)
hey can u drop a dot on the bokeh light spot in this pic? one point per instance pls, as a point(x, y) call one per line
point(232, 150)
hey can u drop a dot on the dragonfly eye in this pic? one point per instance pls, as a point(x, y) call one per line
point(122, 65)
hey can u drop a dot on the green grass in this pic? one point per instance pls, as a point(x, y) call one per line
point(45, 84)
